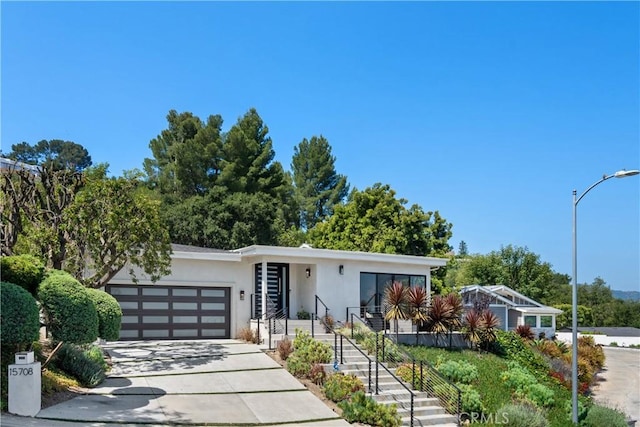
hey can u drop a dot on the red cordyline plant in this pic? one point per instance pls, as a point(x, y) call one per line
point(395, 302)
point(417, 301)
point(490, 325)
point(472, 328)
point(525, 332)
point(439, 316)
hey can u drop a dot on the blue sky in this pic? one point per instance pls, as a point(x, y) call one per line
point(489, 112)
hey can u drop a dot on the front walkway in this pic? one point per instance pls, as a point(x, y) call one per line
point(213, 382)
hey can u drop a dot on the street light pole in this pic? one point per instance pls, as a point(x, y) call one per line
point(574, 294)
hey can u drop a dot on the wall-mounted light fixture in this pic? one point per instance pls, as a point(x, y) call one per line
point(341, 269)
point(308, 272)
point(242, 295)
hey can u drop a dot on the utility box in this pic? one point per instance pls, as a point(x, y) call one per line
point(25, 385)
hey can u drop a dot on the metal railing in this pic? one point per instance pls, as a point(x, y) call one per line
point(379, 354)
point(423, 376)
point(324, 320)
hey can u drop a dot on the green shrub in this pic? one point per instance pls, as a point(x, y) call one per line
point(363, 409)
point(598, 416)
point(69, 311)
point(109, 314)
point(303, 314)
point(19, 316)
point(340, 386)
point(521, 415)
point(526, 385)
point(307, 352)
point(470, 399)
point(95, 353)
point(317, 374)
point(78, 363)
point(459, 371)
point(25, 271)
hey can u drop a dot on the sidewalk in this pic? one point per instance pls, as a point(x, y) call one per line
point(223, 382)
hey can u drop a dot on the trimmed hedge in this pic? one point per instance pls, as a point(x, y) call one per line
point(109, 314)
point(19, 315)
point(70, 312)
point(25, 270)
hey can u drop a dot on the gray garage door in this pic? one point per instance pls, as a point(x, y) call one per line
point(172, 312)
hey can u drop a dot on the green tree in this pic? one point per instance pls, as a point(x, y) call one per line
point(56, 154)
point(597, 296)
point(317, 185)
point(112, 222)
point(463, 251)
point(34, 206)
point(516, 267)
point(186, 156)
point(247, 165)
point(85, 222)
point(374, 220)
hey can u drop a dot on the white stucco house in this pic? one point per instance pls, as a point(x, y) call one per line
point(215, 293)
point(512, 308)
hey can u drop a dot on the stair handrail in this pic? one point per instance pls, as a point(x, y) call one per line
point(378, 363)
point(276, 316)
point(407, 358)
point(354, 345)
point(314, 316)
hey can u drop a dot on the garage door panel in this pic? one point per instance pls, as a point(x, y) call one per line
point(169, 312)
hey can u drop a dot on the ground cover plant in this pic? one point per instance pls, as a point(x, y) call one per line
point(517, 375)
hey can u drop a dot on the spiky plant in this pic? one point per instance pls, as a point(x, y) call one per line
point(455, 322)
point(490, 324)
point(395, 303)
point(472, 328)
point(525, 332)
point(417, 300)
point(438, 320)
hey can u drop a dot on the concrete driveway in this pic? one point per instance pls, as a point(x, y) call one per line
point(214, 382)
point(619, 383)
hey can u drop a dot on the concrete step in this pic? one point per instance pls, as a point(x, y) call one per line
point(443, 420)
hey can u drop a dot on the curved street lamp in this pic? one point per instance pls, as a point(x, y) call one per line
point(574, 300)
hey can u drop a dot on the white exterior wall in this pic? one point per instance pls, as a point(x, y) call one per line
point(236, 271)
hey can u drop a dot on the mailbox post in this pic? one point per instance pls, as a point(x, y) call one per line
point(25, 385)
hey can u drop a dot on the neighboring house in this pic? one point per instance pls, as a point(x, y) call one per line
point(14, 165)
point(512, 308)
point(213, 293)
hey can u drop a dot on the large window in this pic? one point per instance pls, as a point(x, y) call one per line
point(530, 320)
point(373, 285)
point(546, 322)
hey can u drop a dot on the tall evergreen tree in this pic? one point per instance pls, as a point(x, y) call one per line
point(55, 154)
point(317, 185)
point(186, 156)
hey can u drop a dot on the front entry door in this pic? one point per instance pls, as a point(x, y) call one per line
point(277, 288)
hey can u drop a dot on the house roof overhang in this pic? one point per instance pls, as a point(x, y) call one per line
point(308, 254)
point(537, 310)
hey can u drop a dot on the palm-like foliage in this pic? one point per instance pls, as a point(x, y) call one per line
point(472, 328)
point(525, 332)
point(395, 303)
point(455, 302)
point(439, 316)
point(490, 325)
point(417, 300)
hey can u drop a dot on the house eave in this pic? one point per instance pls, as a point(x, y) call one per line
point(308, 254)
